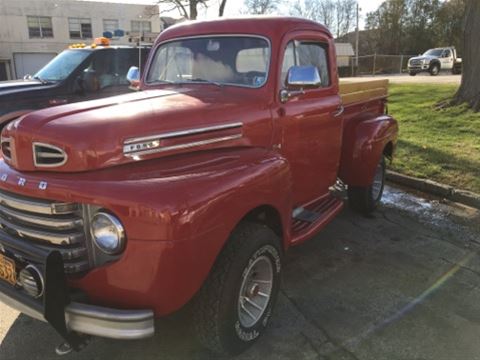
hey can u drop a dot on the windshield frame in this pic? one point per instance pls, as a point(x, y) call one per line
point(157, 48)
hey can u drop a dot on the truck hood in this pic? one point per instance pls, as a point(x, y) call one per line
point(424, 57)
point(133, 127)
point(19, 84)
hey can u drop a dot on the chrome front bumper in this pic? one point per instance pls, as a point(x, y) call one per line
point(96, 320)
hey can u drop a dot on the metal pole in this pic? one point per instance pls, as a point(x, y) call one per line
point(357, 36)
point(401, 64)
point(374, 63)
point(140, 48)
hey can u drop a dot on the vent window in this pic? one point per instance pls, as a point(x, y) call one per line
point(48, 155)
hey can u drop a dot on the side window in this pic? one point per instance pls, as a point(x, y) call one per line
point(314, 54)
point(307, 54)
point(447, 53)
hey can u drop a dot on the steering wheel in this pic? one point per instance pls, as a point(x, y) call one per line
point(251, 75)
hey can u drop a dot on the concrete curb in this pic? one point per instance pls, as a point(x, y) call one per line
point(432, 187)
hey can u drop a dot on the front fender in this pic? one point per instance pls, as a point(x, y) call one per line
point(177, 222)
point(364, 142)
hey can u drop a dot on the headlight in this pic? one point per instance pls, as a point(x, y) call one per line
point(108, 233)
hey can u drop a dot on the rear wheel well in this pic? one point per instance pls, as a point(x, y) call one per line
point(268, 216)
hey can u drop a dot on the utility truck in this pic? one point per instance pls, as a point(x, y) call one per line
point(436, 60)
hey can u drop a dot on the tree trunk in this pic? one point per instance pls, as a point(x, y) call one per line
point(193, 9)
point(469, 91)
point(221, 9)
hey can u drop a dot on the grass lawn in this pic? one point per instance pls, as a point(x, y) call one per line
point(441, 145)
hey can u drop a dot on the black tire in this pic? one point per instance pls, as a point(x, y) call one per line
point(217, 308)
point(434, 69)
point(413, 73)
point(366, 199)
point(456, 70)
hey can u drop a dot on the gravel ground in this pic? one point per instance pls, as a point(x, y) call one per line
point(401, 284)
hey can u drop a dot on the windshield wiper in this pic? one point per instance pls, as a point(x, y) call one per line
point(40, 79)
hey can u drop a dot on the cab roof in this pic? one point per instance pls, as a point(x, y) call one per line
point(269, 26)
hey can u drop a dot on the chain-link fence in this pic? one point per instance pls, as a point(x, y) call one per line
point(375, 65)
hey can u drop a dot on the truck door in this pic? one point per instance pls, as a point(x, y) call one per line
point(447, 60)
point(309, 125)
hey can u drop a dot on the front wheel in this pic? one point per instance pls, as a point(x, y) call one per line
point(366, 199)
point(435, 70)
point(413, 73)
point(235, 304)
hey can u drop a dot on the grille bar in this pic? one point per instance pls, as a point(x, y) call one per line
point(47, 225)
point(43, 221)
point(51, 237)
point(36, 206)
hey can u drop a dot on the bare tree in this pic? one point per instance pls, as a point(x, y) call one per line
point(261, 7)
point(187, 8)
point(345, 11)
point(221, 7)
point(469, 91)
point(336, 15)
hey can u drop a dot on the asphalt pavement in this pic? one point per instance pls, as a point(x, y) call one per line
point(400, 284)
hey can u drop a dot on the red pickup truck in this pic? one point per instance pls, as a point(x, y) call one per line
point(117, 211)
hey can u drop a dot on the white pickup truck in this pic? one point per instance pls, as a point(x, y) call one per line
point(435, 60)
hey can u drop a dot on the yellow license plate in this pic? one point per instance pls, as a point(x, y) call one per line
point(7, 270)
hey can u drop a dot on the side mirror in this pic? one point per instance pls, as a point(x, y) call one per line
point(300, 77)
point(133, 76)
point(303, 76)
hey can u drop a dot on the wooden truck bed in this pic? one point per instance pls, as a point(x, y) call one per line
point(353, 91)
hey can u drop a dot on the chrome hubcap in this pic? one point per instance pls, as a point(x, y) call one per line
point(255, 291)
point(378, 182)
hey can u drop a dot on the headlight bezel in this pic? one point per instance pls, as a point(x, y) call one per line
point(118, 228)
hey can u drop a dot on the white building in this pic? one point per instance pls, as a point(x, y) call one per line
point(33, 31)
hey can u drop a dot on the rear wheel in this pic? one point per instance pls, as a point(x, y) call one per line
point(235, 304)
point(366, 199)
point(434, 69)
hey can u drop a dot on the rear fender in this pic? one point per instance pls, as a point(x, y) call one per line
point(364, 141)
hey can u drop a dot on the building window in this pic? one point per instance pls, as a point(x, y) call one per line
point(80, 28)
point(40, 27)
point(141, 26)
point(110, 25)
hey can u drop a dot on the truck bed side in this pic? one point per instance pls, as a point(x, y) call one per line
point(367, 131)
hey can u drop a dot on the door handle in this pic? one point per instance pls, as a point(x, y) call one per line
point(339, 111)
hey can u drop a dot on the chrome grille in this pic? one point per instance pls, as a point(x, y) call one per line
point(50, 225)
point(46, 155)
point(416, 62)
point(6, 148)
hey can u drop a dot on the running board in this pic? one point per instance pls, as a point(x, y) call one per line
point(312, 217)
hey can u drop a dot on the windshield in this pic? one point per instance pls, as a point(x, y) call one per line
point(434, 52)
point(62, 65)
point(229, 60)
